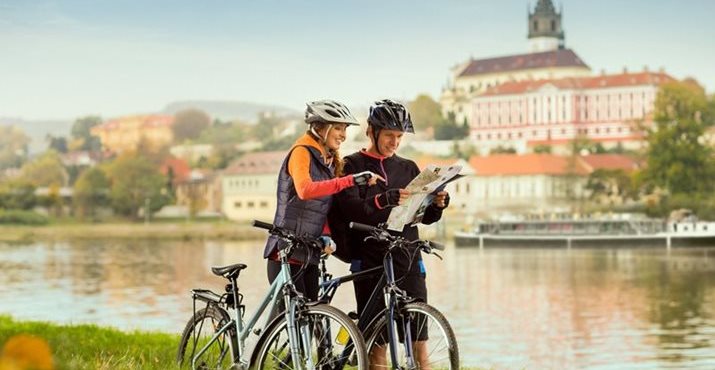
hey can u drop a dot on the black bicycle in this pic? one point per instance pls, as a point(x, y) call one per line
point(414, 334)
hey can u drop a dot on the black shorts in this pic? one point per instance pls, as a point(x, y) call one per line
point(413, 284)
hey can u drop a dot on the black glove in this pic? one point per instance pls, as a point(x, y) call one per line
point(389, 198)
point(362, 178)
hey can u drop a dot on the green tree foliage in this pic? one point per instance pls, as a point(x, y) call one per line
point(542, 149)
point(189, 124)
point(425, 112)
point(57, 143)
point(449, 129)
point(502, 150)
point(610, 183)
point(13, 147)
point(678, 160)
point(17, 194)
point(134, 180)
point(45, 170)
point(91, 191)
point(81, 131)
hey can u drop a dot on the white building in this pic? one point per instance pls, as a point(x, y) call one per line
point(249, 186)
point(606, 108)
point(547, 59)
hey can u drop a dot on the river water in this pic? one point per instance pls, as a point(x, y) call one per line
point(625, 308)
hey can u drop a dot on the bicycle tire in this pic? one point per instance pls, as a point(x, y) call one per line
point(198, 331)
point(444, 354)
point(335, 353)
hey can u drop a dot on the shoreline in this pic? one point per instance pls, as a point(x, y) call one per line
point(130, 231)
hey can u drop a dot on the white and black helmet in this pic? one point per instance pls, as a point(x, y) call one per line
point(328, 111)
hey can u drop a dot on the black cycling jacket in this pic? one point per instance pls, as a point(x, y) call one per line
point(357, 204)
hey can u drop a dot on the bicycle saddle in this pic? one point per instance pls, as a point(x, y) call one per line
point(230, 271)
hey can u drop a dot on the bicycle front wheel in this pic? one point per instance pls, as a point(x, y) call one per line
point(328, 338)
point(433, 343)
point(199, 333)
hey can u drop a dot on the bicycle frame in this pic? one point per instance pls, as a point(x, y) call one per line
point(284, 283)
point(393, 297)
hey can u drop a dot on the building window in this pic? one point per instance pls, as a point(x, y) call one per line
point(237, 204)
point(264, 204)
point(467, 188)
point(553, 25)
point(250, 204)
point(536, 25)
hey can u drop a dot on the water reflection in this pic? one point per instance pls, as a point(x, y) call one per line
point(511, 308)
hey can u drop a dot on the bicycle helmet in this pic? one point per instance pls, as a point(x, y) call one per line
point(390, 115)
point(328, 111)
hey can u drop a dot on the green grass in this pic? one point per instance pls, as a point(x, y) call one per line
point(93, 347)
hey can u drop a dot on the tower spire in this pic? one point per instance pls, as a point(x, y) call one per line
point(545, 32)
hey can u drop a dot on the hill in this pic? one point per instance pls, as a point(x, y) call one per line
point(230, 110)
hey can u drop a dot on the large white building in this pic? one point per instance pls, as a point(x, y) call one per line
point(606, 108)
point(547, 59)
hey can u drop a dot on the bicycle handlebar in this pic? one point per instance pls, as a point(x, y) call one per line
point(382, 235)
point(287, 234)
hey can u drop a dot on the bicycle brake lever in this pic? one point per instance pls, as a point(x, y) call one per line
point(438, 256)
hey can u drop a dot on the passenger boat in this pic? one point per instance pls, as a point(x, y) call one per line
point(588, 232)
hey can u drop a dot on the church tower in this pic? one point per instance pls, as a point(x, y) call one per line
point(545, 33)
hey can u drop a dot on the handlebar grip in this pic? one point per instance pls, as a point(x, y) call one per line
point(437, 246)
point(361, 227)
point(262, 225)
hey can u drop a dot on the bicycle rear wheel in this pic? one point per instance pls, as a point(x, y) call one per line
point(329, 340)
point(198, 333)
point(430, 333)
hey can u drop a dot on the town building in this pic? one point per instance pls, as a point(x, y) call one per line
point(504, 184)
point(610, 109)
point(548, 58)
point(249, 186)
point(129, 133)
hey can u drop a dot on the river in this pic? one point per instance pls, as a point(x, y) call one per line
point(625, 308)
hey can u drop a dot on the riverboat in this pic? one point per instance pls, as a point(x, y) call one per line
point(588, 232)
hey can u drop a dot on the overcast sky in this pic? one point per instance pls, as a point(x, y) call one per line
point(65, 59)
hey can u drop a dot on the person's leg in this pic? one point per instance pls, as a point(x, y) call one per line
point(416, 287)
point(363, 290)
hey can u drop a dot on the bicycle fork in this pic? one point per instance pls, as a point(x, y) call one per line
point(394, 318)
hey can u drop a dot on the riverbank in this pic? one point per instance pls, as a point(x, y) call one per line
point(126, 230)
point(86, 346)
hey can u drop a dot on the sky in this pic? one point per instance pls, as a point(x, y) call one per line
point(67, 59)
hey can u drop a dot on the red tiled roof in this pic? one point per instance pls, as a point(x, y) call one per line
point(257, 163)
point(526, 164)
point(547, 59)
point(179, 167)
point(610, 162)
point(582, 83)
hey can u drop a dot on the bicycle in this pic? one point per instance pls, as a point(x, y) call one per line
point(403, 321)
point(306, 335)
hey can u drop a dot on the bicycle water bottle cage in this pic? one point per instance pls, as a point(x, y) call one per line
point(230, 271)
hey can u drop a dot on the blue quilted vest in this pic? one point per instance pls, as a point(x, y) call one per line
point(304, 217)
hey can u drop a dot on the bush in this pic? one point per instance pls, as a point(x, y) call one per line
point(20, 217)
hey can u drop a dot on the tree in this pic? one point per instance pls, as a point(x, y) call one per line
point(45, 170)
point(91, 191)
point(502, 150)
point(542, 149)
point(134, 181)
point(17, 194)
point(677, 159)
point(81, 130)
point(189, 123)
point(448, 129)
point(13, 147)
point(613, 184)
point(56, 143)
point(425, 112)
